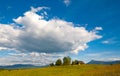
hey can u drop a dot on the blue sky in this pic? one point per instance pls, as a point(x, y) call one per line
point(103, 44)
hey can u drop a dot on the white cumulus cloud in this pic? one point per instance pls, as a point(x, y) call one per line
point(45, 36)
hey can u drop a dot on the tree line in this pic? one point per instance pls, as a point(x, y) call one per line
point(66, 61)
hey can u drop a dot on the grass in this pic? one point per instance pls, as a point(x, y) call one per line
point(73, 70)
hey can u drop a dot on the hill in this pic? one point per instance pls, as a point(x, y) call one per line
point(103, 62)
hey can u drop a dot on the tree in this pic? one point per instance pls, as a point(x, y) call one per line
point(73, 62)
point(66, 60)
point(52, 64)
point(58, 62)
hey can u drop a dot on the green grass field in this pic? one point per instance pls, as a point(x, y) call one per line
point(76, 70)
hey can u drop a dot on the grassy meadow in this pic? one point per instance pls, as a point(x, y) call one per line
point(72, 70)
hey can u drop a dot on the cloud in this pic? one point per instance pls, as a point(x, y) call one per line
point(105, 42)
point(44, 36)
point(38, 9)
point(29, 58)
point(94, 54)
point(103, 56)
point(17, 54)
point(8, 36)
point(114, 58)
point(98, 28)
point(67, 2)
point(110, 41)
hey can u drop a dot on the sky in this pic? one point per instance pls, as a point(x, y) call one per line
point(40, 31)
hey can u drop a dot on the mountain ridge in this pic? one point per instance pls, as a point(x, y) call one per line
point(16, 66)
point(104, 62)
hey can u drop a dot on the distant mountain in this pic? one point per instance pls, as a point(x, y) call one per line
point(20, 66)
point(104, 62)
